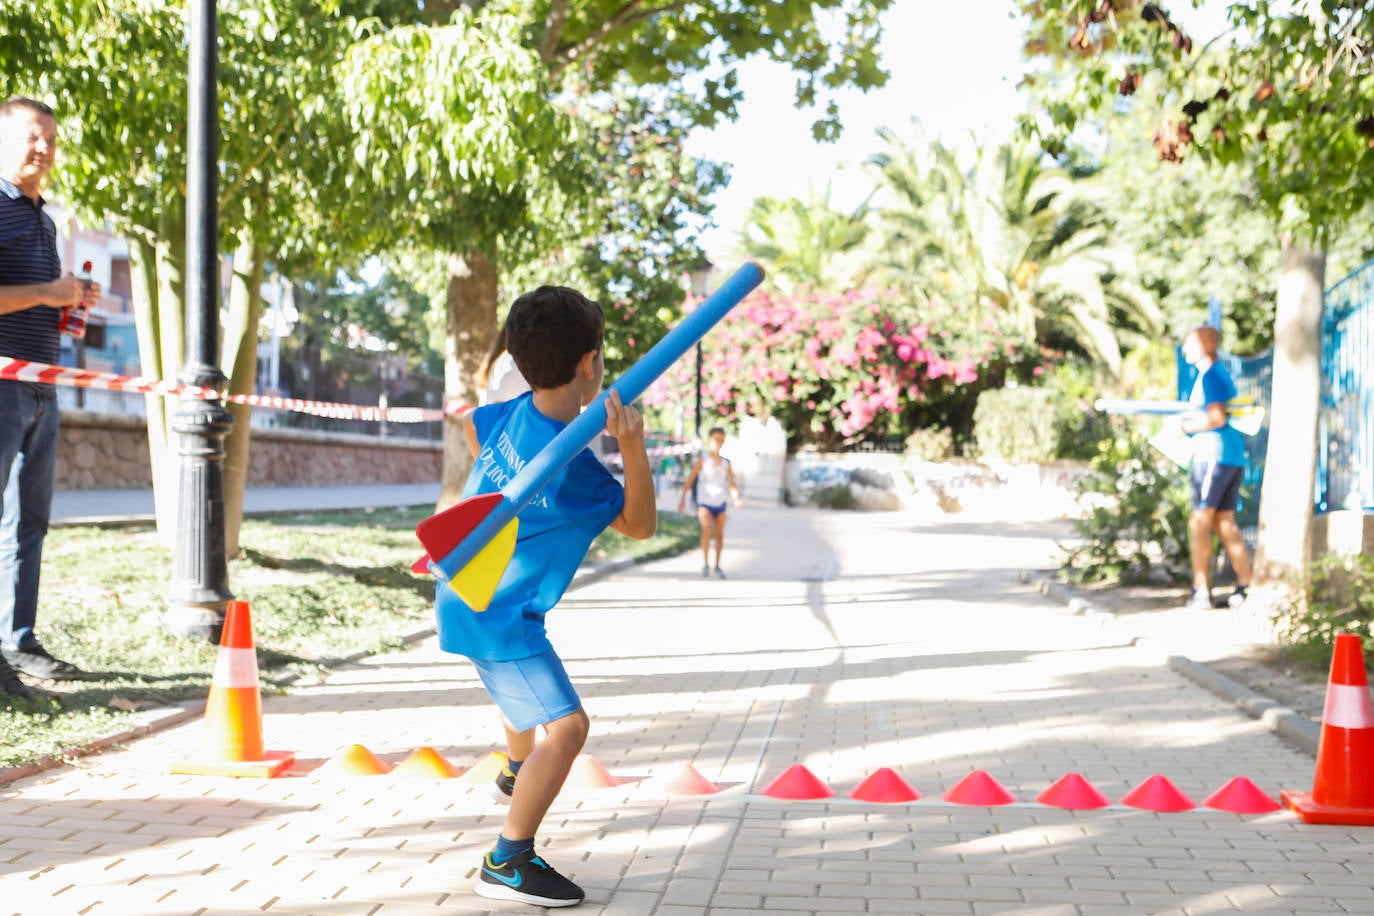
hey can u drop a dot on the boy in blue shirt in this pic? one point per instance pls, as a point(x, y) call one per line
point(1218, 466)
point(554, 334)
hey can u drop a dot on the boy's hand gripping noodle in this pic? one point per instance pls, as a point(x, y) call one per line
point(473, 540)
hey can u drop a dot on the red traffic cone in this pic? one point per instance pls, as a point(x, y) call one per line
point(797, 783)
point(1158, 794)
point(1241, 796)
point(1343, 788)
point(233, 712)
point(1073, 793)
point(885, 787)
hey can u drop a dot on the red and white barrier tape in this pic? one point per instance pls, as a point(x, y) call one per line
point(21, 370)
point(662, 451)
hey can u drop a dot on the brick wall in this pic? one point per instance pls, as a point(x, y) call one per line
point(111, 453)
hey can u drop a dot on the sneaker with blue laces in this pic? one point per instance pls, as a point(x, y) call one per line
point(526, 878)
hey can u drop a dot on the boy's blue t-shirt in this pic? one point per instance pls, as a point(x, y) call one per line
point(556, 528)
point(1216, 446)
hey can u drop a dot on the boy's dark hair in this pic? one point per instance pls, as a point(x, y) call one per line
point(714, 430)
point(549, 330)
point(9, 106)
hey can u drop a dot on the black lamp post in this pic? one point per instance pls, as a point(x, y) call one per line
point(699, 276)
point(199, 591)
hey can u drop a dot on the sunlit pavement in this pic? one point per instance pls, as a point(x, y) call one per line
point(844, 642)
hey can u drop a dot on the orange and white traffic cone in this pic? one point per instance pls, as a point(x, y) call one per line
point(233, 713)
point(1343, 788)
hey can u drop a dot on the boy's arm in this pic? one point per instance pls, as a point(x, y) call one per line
point(639, 517)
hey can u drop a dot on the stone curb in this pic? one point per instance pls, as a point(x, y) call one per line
point(1294, 727)
point(163, 717)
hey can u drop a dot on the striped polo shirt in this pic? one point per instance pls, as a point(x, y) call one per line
point(28, 254)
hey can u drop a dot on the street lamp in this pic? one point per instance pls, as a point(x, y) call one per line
point(699, 278)
point(199, 591)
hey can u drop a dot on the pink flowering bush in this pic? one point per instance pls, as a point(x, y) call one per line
point(835, 369)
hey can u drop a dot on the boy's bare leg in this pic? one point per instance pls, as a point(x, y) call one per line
point(543, 774)
point(720, 536)
point(519, 744)
point(1236, 551)
point(1200, 525)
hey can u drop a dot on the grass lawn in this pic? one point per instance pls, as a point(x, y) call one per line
point(321, 586)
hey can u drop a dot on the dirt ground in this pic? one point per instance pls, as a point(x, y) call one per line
point(1264, 670)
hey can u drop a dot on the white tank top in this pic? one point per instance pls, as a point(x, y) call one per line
point(713, 485)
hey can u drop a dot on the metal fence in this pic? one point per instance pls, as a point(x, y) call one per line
point(1345, 457)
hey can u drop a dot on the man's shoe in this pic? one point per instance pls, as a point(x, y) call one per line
point(1237, 598)
point(705, 572)
point(39, 662)
point(528, 879)
point(1201, 600)
point(720, 573)
point(10, 683)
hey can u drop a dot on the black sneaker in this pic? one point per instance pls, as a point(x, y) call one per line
point(505, 782)
point(10, 683)
point(528, 879)
point(39, 662)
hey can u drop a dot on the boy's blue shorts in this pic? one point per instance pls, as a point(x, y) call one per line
point(530, 691)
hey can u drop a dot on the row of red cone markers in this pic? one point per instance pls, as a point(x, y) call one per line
point(1239, 796)
point(1072, 791)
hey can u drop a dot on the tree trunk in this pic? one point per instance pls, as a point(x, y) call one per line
point(157, 264)
point(471, 307)
point(241, 356)
point(1290, 465)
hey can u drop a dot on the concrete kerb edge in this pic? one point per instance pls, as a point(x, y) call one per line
point(163, 717)
point(1294, 727)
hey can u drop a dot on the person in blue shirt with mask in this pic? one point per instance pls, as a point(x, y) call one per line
point(554, 335)
point(1217, 468)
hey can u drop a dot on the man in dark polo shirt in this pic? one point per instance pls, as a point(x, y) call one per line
point(32, 295)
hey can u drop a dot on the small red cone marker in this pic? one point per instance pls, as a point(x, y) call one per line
point(979, 789)
point(798, 784)
point(1158, 794)
point(1074, 793)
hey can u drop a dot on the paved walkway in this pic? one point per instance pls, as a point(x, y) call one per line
point(843, 642)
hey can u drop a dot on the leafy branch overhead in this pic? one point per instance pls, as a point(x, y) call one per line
point(1286, 88)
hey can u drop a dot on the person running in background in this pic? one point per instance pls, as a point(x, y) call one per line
point(1217, 469)
point(715, 482)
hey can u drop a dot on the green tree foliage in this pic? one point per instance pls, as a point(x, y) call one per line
point(805, 242)
point(1286, 90)
point(1008, 235)
point(1167, 214)
point(629, 251)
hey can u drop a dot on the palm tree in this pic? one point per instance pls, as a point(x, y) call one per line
point(1009, 233)
point(804, 242)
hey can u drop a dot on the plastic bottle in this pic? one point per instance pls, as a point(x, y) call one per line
point(73, 320)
